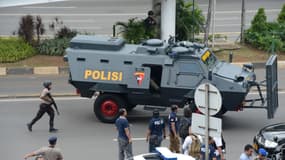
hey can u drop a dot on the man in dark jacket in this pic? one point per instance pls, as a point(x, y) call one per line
point(156, 131)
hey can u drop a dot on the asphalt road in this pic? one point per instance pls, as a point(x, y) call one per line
point(31, 85)
point(82, 136)
point(98, 16)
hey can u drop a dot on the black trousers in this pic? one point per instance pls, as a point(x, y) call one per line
point(44, 108)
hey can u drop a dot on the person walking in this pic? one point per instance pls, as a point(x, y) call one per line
point(48, 153)
point(192, 145)
point(173, 124)
point(211, 152)
point(45, 107)
point(247, 154)
point(156, 131)
point(219, 145)
point(124, 136)
point(185, 124)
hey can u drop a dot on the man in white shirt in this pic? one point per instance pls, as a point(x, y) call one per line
point(247, 154)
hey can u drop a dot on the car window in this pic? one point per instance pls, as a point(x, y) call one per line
point(279, 128)
point(152, 157)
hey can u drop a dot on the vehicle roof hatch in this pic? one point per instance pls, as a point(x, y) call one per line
point(97, 43)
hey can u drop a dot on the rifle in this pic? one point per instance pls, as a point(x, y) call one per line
point(53, 102)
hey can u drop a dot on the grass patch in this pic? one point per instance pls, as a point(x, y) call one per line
point(245, 54)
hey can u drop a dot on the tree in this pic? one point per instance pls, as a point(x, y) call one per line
point(186, 23)
point(281, 16)
point(208, 22)
point(26, 28)
point(133, 30)
point(40, 29)
point(259, 24)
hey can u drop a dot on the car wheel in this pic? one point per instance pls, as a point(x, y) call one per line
point(106, 107)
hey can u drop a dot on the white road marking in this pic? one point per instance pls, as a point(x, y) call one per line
point(82, 98)
point(48, 7)
point(77, 14)
point(136, 139)
point(247, 11)
point(228, 25)
point(37, 99)
point(125, 14)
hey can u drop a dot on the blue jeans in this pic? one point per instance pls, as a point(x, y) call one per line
point(153, 144)
point(125, 147)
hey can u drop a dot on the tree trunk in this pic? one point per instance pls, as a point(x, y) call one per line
point(208, 22)
point(242, 21)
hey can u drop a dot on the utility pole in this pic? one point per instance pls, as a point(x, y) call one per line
point(194, 21)
point(213, 24)
point(242, 21)
point(208, 22)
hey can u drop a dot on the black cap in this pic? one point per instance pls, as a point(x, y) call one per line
point(174, 107)
point(150, 13)
point(155, 113)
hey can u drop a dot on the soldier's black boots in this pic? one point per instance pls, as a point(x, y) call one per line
point(53, 130)
point(29, 127)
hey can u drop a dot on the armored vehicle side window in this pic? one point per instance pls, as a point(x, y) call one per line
point(189, 74)
point(189, 68)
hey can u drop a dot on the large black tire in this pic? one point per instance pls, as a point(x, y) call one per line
point(106, 107)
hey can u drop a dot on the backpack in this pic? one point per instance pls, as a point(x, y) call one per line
point(195, 147)
point(184, 125)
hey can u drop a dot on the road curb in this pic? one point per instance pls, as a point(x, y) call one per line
point(32, 95)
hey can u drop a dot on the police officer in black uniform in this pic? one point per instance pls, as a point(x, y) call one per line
point(150, 23)
point(156, 131)
point(45, 107)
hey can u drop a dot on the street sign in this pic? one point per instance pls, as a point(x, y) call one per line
point(198, 125)
point(215, 99)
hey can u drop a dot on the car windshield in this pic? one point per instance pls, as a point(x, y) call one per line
point(154, 156)
point(209, 59)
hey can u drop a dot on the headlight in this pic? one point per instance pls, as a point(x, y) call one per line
point(270, 144)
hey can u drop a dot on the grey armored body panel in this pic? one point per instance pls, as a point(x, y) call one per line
point(152, 73)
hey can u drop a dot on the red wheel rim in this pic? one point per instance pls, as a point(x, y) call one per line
point(109, 108)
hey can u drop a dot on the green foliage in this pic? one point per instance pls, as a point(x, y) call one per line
point(53, 47)
point(281, 16)
point(65, 32)
point(14, 49)
point(186, 22)
point(26, 28)
point(258, 24)
point(133, 31)
point(268, 36)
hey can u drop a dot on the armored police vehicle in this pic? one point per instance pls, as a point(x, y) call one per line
point(156, 73)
